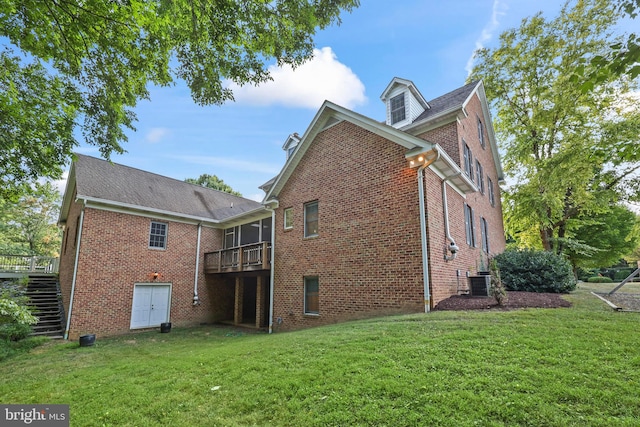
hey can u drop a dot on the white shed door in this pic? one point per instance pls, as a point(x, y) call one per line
point(150, 305)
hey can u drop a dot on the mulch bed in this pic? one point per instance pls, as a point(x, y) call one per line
point(516, 300)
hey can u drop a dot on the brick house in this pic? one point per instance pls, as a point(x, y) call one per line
point(365, 219)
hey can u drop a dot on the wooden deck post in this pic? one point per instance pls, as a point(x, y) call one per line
point(265, 255)
point(239, 296)
point(259, 300)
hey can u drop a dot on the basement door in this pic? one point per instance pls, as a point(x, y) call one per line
point(151, 303)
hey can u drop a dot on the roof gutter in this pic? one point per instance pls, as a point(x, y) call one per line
point(147, 210)
point(272, 271)
point(196, 299)
point(453, 248)
point(88, 199)
point(75, 271)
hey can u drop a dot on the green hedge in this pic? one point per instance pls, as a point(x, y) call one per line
point(535, 271)
point(600, 279)
point(620, 275)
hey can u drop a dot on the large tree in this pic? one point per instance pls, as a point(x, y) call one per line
point(69, 61)
point(29, 227)
point(623, 57)
point(568, 153)
point(212, 181)
point(603, 239)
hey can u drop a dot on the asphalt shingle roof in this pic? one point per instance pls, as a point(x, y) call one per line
point(453, 99)
point(99, 179)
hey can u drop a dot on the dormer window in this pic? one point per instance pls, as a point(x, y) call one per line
point(291, 143)
point(397, 109)
point(403, 102)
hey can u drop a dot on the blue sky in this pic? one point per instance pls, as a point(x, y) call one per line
point(429, 42)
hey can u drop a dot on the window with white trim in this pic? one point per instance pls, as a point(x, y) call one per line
point(481, 132)
point(469, 226)
point(484, 232)
point(480, 176)
point(492, 196)
point(311, 295)
point(311, 219)
point(468, 160)
point(396, 105)
point(158, 235)
point(288, 218)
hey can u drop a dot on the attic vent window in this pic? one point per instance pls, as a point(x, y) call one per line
point(397, 109)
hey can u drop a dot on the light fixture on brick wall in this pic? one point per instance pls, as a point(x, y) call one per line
point(155, 275)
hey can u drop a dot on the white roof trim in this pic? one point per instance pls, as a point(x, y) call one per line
point(95, 201)
point(135, 209)
point(330, 110)
point(488, 125)
point(397, 81)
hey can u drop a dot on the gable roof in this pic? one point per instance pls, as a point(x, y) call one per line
point(330, 114)
point(104, 183)
point(397, 81)
point(450, 104)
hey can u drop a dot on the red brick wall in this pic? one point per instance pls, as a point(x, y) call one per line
point(367, 256)
point(444, 278)
point(114, 255)
point(447, 137)
point(367, 253)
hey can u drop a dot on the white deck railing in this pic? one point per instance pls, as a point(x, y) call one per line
point(28, 264)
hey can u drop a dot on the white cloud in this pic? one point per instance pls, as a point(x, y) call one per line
point(319, 79)
point(155, 135)
point(256, 197)
point(236, 165)
point(499, 9)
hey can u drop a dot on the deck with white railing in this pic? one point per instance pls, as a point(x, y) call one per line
point(24, 264)
point(252, 257)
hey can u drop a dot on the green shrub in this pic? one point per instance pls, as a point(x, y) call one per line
point(622, 274)
point(584, 273)
point(535, 271)
point(14, 331)
point(15, 320)
point(599, 279)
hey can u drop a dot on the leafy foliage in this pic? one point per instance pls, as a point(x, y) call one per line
point(623, 57)
point(535, 271)
point(620, 275)
point(28, 226)
point(609, 236)
point(572, 154)
point(213, 182)
point(15, 320)
point(92, 61)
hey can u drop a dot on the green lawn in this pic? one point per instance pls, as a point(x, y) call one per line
point(578, 366)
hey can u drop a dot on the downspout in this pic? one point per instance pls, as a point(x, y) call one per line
point(453, 248)
point(272, 272)
point(423, 233)
point(196, 299)
point(75, 270)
